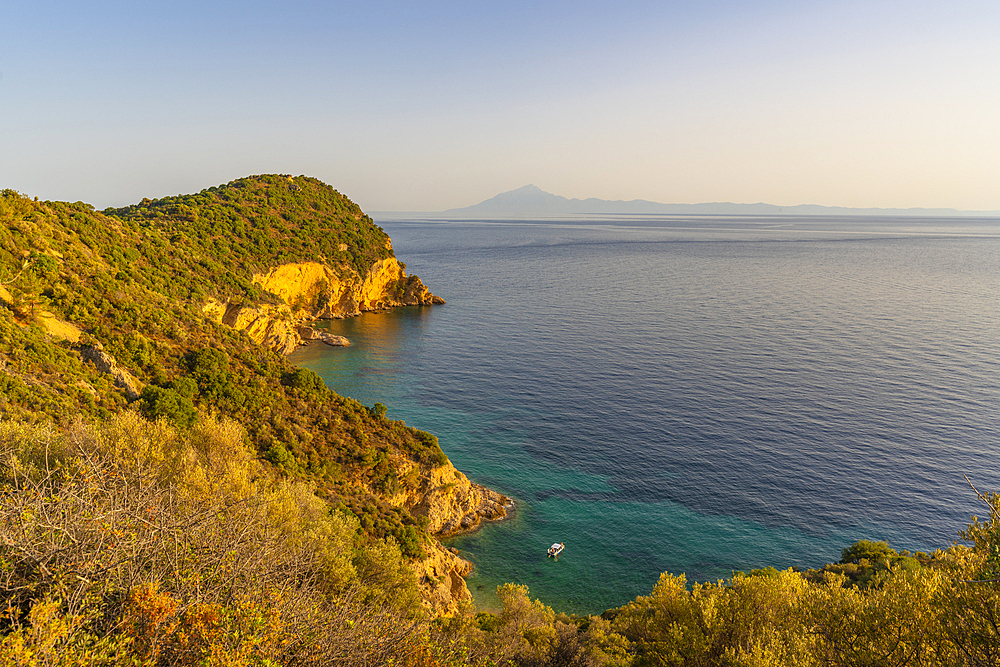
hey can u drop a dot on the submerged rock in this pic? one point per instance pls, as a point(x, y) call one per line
point(309, 334)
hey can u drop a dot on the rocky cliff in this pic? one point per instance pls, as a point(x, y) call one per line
point(309, 291)
point(441, 579)
point(319, 291)
point(452, 504)
point(450, 501)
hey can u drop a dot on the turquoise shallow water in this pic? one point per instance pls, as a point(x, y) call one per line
point(693, 395)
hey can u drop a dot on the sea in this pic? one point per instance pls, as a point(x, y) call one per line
point(697, 395)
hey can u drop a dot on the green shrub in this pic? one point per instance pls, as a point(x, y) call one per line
point(161, 402)
point(279, 456)
point(409, 538)
point(873, 552)
point(305, 381)
point(184, 386)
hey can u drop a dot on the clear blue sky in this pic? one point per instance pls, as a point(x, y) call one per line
point(427, 106)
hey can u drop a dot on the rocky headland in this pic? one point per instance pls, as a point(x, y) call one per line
point(452, 504)
point(308, 291)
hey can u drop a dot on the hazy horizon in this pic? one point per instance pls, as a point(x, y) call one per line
point(525, 194)
point(443, 105)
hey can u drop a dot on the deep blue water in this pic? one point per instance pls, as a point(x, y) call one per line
point(696, 395)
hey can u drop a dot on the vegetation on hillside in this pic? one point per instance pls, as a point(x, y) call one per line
point(135, 542)
point(262, 221)
point(235, 511)
point(135, 279)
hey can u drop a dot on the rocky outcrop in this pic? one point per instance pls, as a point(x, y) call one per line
point(441, 579)
point(416, 294)
point(309, 334)
point(105, 363)
point(461, 508)
point(450, 501)
point(318, 291)
point(268, 325)
point(309, 291)
point(452, 504)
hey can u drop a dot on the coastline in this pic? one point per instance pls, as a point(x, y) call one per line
point(442, 575)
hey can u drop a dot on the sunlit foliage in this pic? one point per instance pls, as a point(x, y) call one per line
point(177, 547)
point(134, 281)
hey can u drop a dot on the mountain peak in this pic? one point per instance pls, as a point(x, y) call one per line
point(527, 200)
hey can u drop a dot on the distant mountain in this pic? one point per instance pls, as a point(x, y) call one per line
point(532, 201)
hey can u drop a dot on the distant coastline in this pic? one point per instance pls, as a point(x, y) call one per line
point(531, 201)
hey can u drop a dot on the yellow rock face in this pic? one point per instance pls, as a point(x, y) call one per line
point(451, 502)
point(295, 282)
point(380, 283)
point(270, 326)
point(310, 291)
point(440, 579)
point(319, 291)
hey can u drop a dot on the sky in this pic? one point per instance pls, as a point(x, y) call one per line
point(407, 106)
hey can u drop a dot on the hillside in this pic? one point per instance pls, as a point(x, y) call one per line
point(142, 307)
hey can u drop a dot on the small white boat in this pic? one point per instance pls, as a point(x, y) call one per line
point(556, 549)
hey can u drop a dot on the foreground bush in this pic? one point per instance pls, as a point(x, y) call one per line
point(134, 542)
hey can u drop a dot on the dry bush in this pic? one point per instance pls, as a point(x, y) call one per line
point(132, 539)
